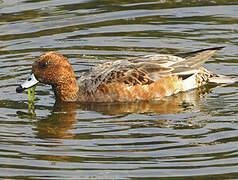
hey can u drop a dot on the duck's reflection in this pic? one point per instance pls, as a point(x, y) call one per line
point(59, 122)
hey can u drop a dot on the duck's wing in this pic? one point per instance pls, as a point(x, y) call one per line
point(175, 64)
point(121, 71)
point(145, 69)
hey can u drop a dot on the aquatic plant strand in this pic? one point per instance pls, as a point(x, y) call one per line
point(31, 97)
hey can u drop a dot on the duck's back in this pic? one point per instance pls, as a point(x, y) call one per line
point(145, 78)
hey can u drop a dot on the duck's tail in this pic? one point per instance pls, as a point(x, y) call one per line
point(221, 79)
point(192, 53)
point(195, 59)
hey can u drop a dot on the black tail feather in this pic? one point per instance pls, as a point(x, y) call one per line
point(185, 55)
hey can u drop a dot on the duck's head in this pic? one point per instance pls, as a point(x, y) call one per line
point(54, 69)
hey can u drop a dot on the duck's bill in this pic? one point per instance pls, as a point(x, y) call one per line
point(30, 81)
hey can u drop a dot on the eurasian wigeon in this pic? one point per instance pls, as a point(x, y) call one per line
point(150, 77)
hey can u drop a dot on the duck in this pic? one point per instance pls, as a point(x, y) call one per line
point(142, 78)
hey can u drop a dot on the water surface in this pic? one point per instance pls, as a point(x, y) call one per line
point(192, 135)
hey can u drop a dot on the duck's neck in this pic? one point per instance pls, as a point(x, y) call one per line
point(66, 90)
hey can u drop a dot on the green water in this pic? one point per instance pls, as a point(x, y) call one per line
point(192, 135)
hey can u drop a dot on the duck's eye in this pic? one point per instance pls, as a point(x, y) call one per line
point(44, 64)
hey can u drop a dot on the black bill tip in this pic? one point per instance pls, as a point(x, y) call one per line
point(20, 89)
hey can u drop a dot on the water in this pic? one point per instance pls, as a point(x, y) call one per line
point(191, 135)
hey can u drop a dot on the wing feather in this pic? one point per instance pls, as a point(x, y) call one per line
point(146, 69)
